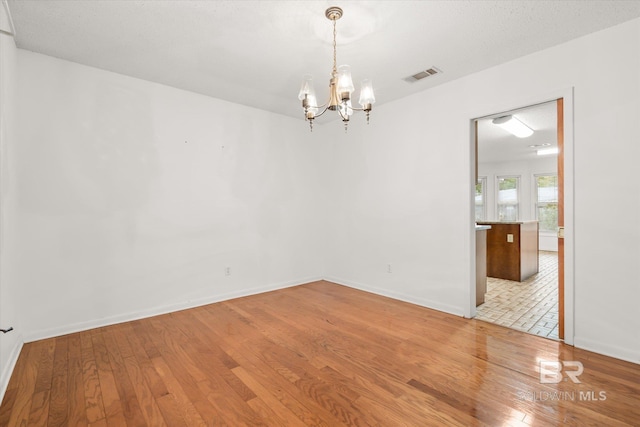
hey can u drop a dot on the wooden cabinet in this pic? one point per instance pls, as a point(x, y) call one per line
point(512, 249)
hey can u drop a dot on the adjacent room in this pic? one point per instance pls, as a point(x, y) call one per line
point(517, 187)
point(208, 218)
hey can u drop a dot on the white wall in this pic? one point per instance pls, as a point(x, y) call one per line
point(133, 198)
point(11, 342)
point(403, 188)
point(526, 170)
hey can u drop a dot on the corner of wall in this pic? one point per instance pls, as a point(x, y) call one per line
point(9, 366)
point(11, 344)
point(6, 21)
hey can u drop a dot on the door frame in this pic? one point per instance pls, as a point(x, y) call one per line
point(569, 266)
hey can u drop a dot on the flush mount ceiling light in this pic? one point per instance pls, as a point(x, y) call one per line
point(340, 87)
point(547, 151)
point(514, 126)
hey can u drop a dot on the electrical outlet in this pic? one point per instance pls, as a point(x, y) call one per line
point(509, 238)
point(227, 271)
point(388, 268)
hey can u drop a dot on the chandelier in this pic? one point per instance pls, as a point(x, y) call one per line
point(340, 87)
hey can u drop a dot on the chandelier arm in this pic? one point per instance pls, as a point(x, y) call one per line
point(325, 106)
point(323, 111)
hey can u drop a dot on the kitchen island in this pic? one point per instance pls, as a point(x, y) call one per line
point(512, 249)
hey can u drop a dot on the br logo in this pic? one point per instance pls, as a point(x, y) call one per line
point(551, 371)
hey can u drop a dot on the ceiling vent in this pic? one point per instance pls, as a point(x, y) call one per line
point(423, 74)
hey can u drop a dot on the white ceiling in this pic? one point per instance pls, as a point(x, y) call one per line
point(255, 52)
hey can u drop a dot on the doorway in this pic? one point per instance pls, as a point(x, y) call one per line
point(520, 180)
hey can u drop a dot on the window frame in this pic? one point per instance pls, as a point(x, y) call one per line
point(536, 202)
point(482, 180)
point(497, 195)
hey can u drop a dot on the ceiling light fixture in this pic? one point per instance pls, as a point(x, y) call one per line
point(514, 126)
point(340, 87)
point(546, 151)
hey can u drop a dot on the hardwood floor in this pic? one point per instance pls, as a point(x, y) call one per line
point(319, 354)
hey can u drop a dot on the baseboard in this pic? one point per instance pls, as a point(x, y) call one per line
point(621, 353)
point(9, 366)
point(423, 302)
point(127, 317)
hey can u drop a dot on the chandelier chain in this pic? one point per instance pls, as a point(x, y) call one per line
point(335, 70)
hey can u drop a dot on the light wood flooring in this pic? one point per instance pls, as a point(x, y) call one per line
point(319, 354)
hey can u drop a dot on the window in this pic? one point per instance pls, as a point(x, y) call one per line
point(508, 198)
point(481, 185)
point(547, 202)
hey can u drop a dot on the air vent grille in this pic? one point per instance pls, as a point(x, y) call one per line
point(423, 74)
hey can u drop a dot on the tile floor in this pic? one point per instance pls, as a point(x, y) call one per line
point(530, 306)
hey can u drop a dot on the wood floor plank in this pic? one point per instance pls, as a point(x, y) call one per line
point(45, 365)
point(318, 354)
point(265, 412)
point(172, 350)
point(211, 356)
point(186, 402)
point(266, 402)
point(94, 407)
point(219, 382)
point(180, 376)
point(147, 385)
point(284, 391)
point(154, 381)
point(170, 411)
point(148, 403)
point(393, 400)
point(100, 423)
point(58, 406)
point(249, 357)
point(126, 392)
point(39, 412)
point(303, 374)
point(76, 408)
point(8, 405)
point(144, 340)
point(111, 400)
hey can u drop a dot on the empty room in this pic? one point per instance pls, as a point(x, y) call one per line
point(315, 213)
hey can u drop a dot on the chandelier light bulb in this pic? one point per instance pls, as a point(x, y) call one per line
point(307, 95)
point(345, 83)
point(366, 93)
point(306, 88)
point(313, 102)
